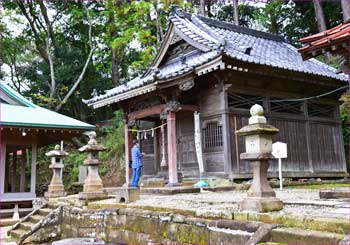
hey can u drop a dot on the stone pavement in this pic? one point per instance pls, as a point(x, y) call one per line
point(298, 202)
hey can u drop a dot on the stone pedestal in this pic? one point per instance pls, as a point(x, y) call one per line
point(93, 187)
point(56, 188)
point(258, 135)
point(127, 194)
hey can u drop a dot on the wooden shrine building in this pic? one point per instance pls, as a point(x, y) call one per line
point(337, 42)
point(25, 127)
point(221, 70)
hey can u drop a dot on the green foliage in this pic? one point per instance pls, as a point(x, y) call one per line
point(246, 14)
point(273, 15)
point(344, 115)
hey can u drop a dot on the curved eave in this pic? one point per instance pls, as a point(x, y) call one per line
point(251, 61)
point(127, 95)
point(162, 49)
point(42, 125)
point(16, 96)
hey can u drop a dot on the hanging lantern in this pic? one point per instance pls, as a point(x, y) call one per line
point(137, 136)
point(152, 133)
point(145, 137)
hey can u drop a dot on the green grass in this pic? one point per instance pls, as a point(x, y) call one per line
point(319, 186)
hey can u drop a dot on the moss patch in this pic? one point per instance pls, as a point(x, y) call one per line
point(319, 186)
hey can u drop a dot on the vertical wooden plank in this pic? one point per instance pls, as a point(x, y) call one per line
point(156, 151)
point(226, 131)
point(23, 175)
point(2, 166)
point(172, 148)
point(308, 137)
point(13, 172)
point(7, 171)
point(33, 169)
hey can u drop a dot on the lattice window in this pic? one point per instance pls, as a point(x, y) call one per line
point(212, 135)
point(319, 110)
point(293, 107)
point(242, 101)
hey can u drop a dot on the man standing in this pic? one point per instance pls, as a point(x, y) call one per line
point(136, 165)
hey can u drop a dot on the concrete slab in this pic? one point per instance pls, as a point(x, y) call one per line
point(184, 189)
point(343, 213)
point(335, 193)
point(315, 203)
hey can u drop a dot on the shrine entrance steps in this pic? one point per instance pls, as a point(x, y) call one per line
point(29, 224)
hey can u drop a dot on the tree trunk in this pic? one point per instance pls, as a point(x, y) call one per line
point(202, 7)
point(321, 23)
point(235, 12)
point(115, 73)
point(345, 5)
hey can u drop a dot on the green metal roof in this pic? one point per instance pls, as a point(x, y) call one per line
point(30, 115)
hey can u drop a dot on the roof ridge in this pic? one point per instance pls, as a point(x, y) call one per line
point(16, 96)
point(240, 29)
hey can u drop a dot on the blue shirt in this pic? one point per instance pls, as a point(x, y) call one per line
point(136, 156)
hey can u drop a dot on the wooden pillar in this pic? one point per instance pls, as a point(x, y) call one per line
point(226, 130)
point(13, 172)
point(172, 149)
point(308, 136)
point(2, 167)
point(33, 170)
point(128, 146)
point(23, 172)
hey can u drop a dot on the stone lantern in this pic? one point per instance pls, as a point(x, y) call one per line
point(56, 188)
point(93, 188)
point(258, 143)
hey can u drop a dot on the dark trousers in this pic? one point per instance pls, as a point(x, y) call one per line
point(136, 176)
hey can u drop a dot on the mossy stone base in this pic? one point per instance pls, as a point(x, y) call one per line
point(88, 196)
point(261, 204)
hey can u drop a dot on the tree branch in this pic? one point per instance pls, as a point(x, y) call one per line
point(47, 21)
point(92, 48)
point(52, 71)
point(37, 40)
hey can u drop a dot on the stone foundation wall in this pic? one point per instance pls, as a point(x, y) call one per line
point(136, 226)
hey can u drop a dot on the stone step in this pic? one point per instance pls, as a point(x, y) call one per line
point(36, 218)
point(302, 236)
point(26, 225)
point(17, 234)
point(45, 211)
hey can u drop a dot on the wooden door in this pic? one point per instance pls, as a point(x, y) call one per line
point(186, 151)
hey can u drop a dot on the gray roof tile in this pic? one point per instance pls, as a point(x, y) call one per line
point(265, 49)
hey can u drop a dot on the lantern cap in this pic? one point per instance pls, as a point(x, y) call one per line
point(92, 145)
point(57, 152)
point(258, 129)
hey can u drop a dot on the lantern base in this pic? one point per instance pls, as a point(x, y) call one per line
point(261, 204)
point(126, 194)
point(55, 194)
point(87, 196)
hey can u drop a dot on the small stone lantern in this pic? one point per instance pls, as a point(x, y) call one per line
point(258, 144)
point(56, 188)
point(93, 188)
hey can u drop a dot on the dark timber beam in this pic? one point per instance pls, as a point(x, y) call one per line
point(156, 110)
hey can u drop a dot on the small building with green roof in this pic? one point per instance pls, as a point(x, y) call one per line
point(24, 127)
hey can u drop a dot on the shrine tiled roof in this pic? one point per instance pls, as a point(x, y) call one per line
point(214, 39)
point(20, 112)
point(326, 38)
